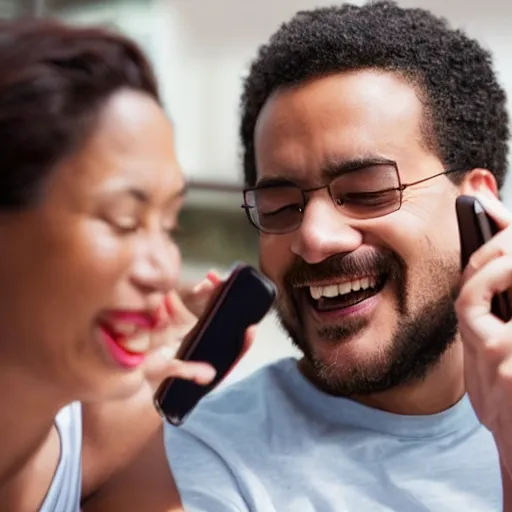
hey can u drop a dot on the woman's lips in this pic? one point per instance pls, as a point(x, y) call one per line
point(127, 335)
point(121, 355)
point(121, 320)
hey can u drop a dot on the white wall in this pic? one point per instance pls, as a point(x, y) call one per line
point(201, 49)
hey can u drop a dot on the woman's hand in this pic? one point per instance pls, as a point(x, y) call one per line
point(183, 307)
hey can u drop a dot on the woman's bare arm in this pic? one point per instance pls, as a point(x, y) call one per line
point(146, 483)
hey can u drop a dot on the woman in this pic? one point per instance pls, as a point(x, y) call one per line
point(90, 192)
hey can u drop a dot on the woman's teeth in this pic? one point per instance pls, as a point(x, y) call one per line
point(127, 329)
point(136, 344)
point(333, 290)
point(130, 336)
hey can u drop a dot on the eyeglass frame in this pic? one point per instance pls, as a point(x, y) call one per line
point(400, 188)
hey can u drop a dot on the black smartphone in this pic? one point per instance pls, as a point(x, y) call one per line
point(242, 300)
point(476, 228)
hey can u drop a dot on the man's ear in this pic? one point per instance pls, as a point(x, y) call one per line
point(480, 181)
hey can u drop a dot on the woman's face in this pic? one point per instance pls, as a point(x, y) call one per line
point(83, 274)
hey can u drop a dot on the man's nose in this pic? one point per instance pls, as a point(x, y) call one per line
point(324, 232)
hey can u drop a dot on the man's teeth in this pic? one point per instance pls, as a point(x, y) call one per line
point(137, 344)
point(333, 290)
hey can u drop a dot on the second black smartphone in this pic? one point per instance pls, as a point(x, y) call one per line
point(476, 228)
point(218, 338)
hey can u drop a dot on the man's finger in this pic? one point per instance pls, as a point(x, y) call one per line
point(493, 278)
point(499, 245)
point(474, 301)
point(496, 209)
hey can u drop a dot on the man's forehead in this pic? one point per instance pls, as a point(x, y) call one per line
point(384, 93)
point(332, 168)
point(337, 120)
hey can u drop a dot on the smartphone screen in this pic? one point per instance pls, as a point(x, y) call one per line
point(218, 338)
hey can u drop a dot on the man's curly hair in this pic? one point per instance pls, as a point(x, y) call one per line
point(465, 122)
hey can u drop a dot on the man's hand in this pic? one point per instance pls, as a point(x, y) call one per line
point(487, 340)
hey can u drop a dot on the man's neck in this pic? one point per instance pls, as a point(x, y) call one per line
point(442, 388)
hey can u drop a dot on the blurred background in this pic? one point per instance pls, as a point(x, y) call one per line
point(201, 50)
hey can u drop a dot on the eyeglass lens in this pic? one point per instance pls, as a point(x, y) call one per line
point(370, 192)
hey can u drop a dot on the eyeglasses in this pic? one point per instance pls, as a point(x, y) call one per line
point(371, 191)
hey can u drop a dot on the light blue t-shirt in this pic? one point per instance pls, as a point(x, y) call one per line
point(275, 443)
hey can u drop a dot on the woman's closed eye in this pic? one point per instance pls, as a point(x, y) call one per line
point(125, 225)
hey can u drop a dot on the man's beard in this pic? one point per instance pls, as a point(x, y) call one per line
point(418, 343)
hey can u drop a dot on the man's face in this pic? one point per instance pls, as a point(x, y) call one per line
point(393, 277)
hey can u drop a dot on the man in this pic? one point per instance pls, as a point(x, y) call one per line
point(360, 127)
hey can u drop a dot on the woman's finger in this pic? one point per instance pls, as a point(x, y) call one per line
point(196, 297)
point(250, 336)
point(161, 364)
point(177, 311)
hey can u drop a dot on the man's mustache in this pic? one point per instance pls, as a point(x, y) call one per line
point(374, 263)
